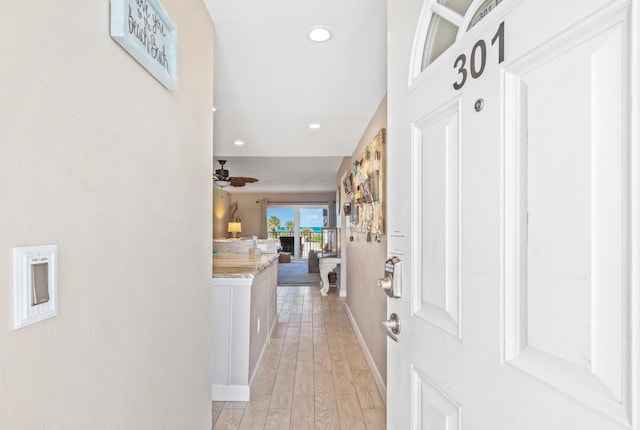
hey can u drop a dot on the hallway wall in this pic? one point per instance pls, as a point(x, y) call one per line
point(98, 157)
point(365, 264)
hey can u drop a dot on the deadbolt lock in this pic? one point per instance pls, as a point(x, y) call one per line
point(391, 282)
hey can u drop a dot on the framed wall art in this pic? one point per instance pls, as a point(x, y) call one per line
point(145, 30)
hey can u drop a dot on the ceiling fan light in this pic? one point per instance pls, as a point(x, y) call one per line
point(221, 183)
point(319, 33)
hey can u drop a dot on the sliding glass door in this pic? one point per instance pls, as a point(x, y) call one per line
point(298, 227)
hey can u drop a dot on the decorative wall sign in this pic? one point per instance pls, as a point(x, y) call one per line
point(364, 188)
point(144, 30)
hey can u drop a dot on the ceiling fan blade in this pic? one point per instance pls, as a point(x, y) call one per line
point(242, 181)
point(245, 179)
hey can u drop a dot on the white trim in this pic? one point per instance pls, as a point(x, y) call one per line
point(230, 348)
point(447, 14)
point(230, 393)
point(447, 318)
point(634, 197)
point(424, 390)
point(382, 388)
point(420, 35)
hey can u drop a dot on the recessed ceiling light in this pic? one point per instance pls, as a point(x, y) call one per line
point(314, 126)
point(319, 33)
point(238, 142)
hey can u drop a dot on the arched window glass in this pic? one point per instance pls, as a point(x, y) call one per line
point(483, 11)
point(440, 36)
point(446, 17)
point(458, 6)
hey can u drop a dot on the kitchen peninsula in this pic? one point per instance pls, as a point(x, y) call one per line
point(244, 315)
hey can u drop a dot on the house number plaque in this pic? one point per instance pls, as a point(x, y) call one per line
point(478, 58)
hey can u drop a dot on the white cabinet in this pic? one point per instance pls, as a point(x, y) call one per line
point(244, 316)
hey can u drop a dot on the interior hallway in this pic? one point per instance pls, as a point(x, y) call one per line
point(313, 375)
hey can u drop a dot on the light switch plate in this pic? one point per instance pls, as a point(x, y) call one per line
point(35, 293)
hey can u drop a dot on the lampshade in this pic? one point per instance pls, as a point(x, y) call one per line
point(235, 228)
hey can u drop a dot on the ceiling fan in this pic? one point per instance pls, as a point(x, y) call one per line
point(222, 179)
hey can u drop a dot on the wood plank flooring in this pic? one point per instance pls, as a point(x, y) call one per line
point(313, 375)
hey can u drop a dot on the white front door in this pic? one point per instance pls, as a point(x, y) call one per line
point(513, 203)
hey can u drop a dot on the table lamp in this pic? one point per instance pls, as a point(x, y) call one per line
point(235, 228)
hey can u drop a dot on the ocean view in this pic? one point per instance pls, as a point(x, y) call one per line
point(314, 229)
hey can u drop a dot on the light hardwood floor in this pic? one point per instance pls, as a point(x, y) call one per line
point(313, 375)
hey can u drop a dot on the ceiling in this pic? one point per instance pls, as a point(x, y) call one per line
point(271, 82)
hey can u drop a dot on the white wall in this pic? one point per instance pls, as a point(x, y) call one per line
point(98, 157)
point(221, 203)
point(365, 264)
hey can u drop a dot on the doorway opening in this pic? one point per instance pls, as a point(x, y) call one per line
point(298, 227)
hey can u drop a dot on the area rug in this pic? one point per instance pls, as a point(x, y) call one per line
point(297, 273)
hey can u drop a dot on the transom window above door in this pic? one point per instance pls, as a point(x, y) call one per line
point(442, 23)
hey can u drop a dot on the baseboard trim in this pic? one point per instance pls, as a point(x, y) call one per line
point(382, 388)
point(230, 393)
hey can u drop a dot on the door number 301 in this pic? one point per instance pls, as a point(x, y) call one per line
point(478, 50)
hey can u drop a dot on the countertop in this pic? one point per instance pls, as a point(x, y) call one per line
point(239, 265)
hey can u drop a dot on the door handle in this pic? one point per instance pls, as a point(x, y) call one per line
point(391, 327)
